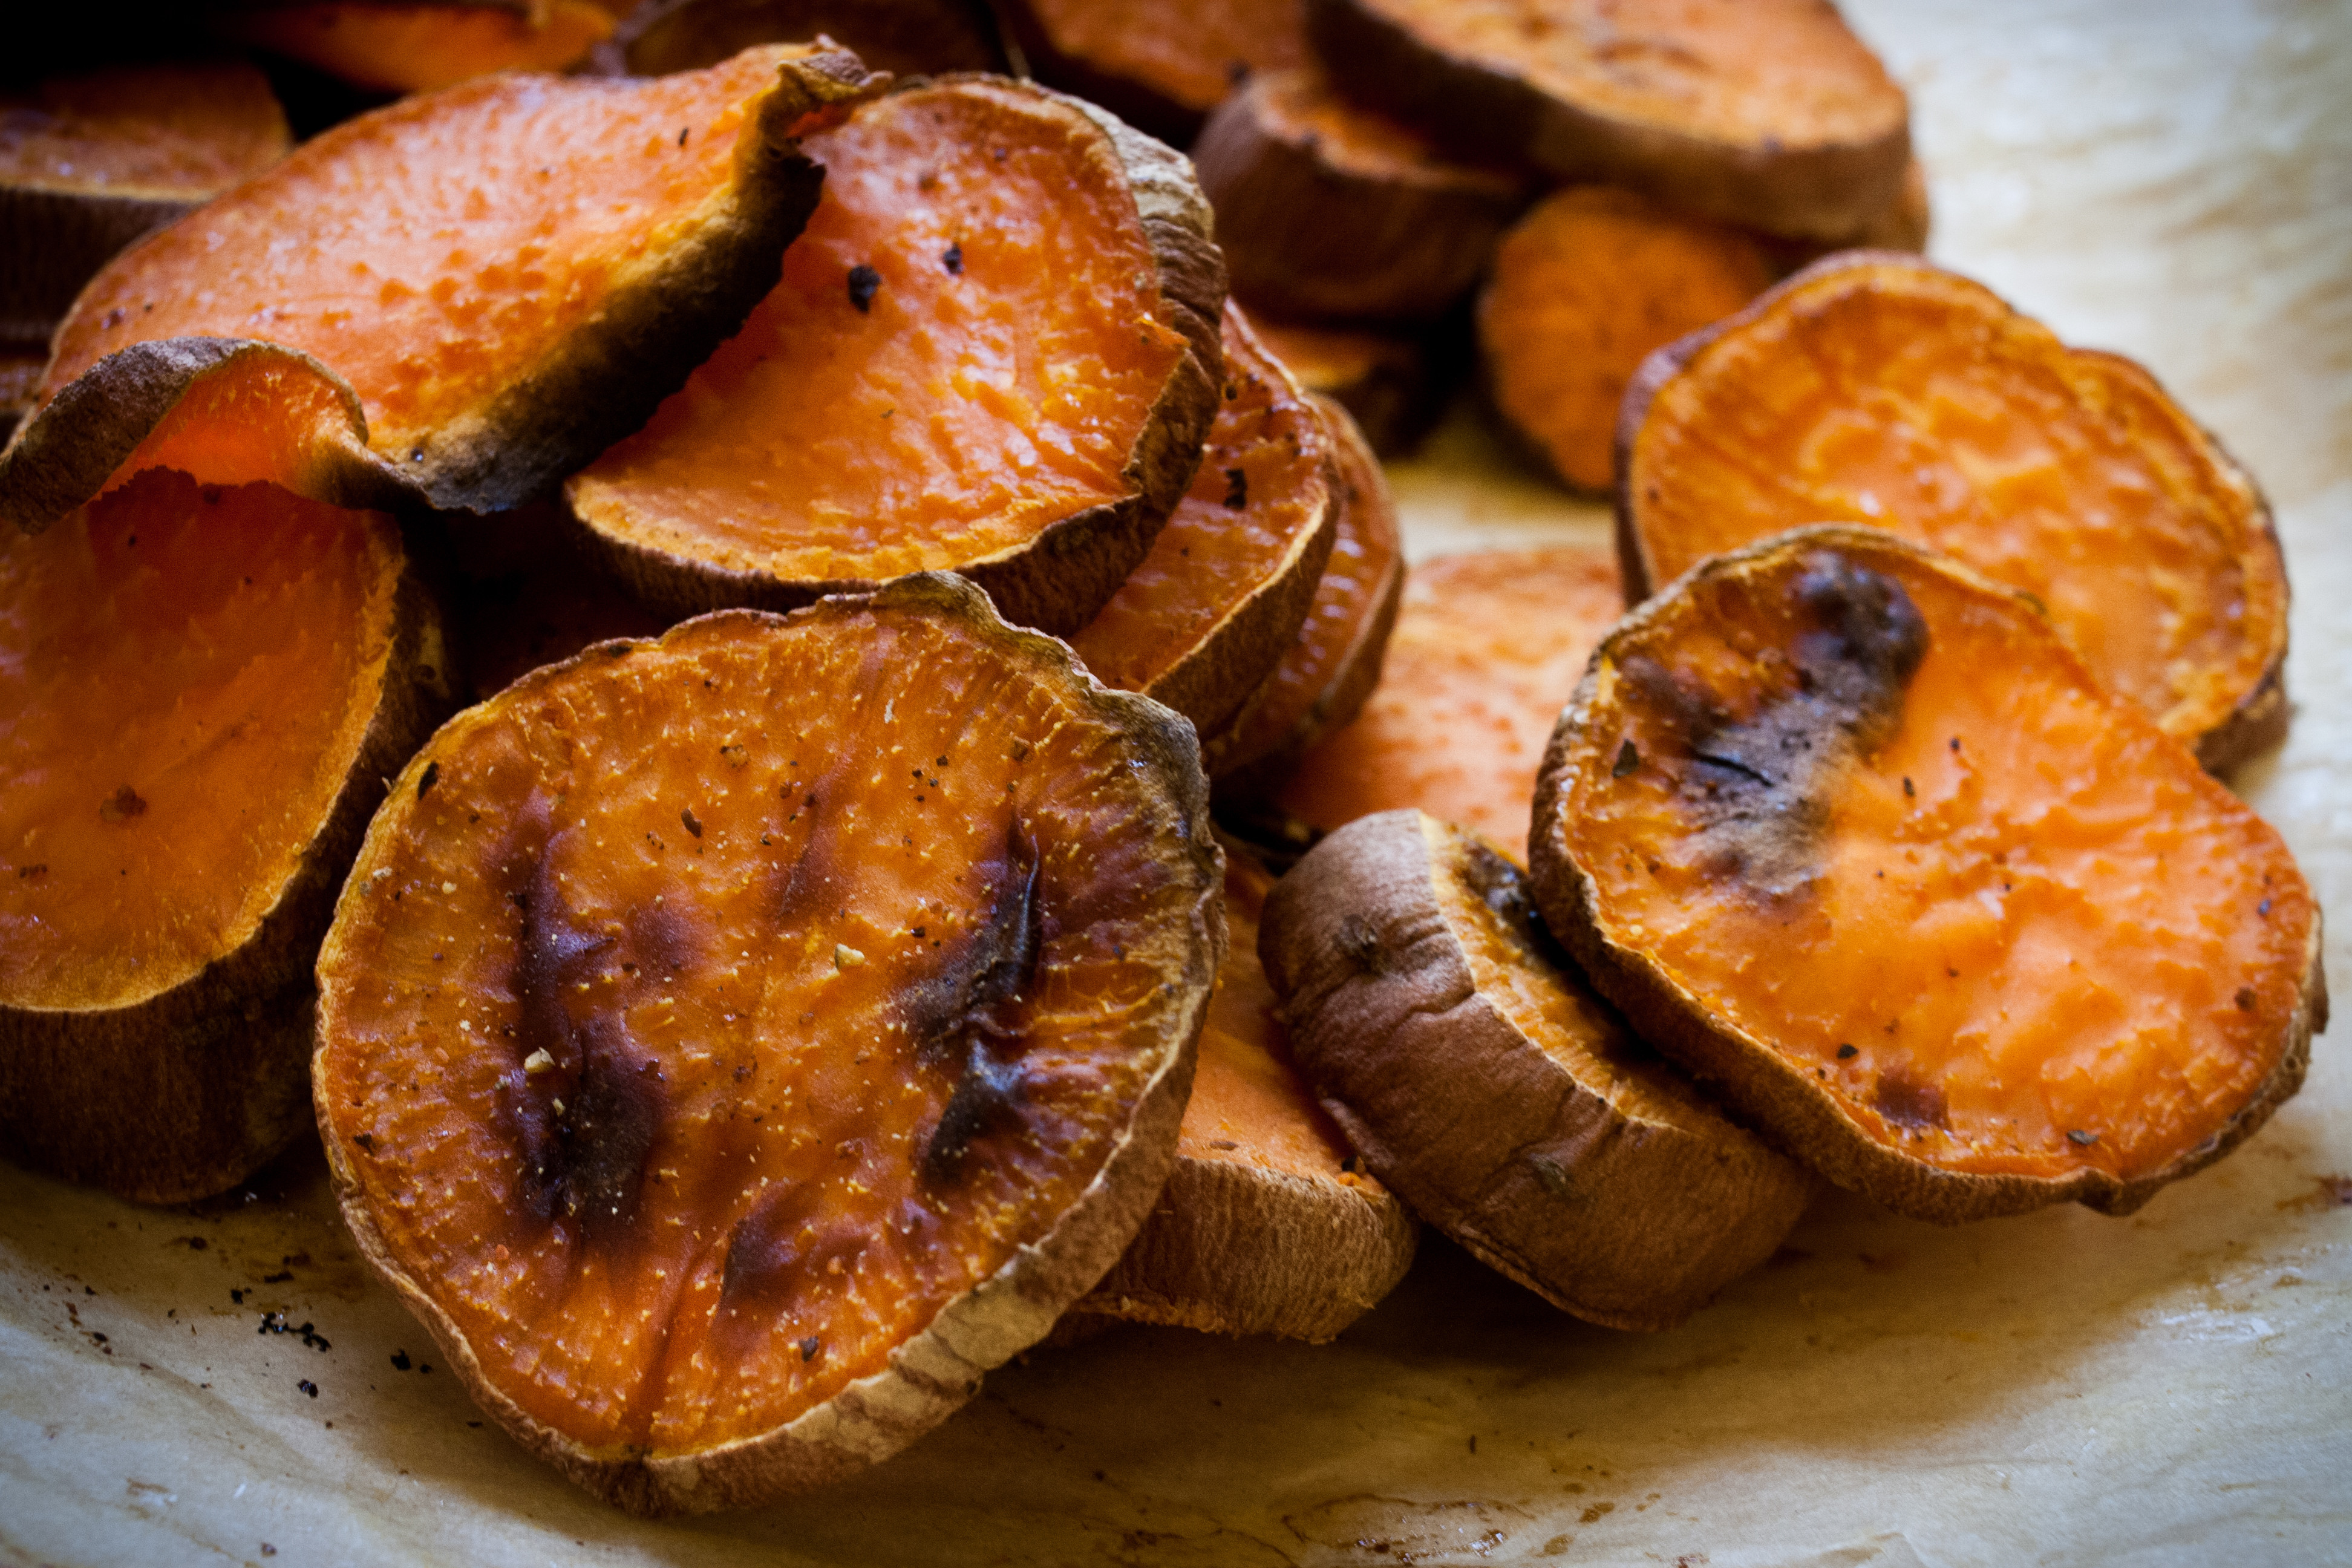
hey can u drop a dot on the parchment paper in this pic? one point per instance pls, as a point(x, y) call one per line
point(2172, 181)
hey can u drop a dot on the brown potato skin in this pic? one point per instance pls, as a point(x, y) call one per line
point(2257, 723)
point(1827, 191)
point(1748, 1073)
point(1306, 237)
point(938, 1370)
point(902, 37)
point(1449, 1103)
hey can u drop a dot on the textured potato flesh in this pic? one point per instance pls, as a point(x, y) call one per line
point(1582, 290)
point(1365, 548)
point(185, 131)
point(1260, 489)
point(1005, 362)
point(756, 987)
point(449, 243)
point(2027, 913)
point(187, 673)
point(1910, 399)
point(418, 49)
point(1192, 51)
point(1249, 1106)
point(1301, 107)
point(1750, 73)
point(260, 418)
point(1487, 648)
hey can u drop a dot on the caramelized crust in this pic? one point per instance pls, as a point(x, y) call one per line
point(595, 257)
point(1157, 64)
point(999, 365)
point(1323, 679)
point(1765, 112)
point(1586, 287)
point(905, 37)
point(1206, 616)
point(396, 47)
point(1487, 648)
point(1878, 389)
point(2022, 949)
point(1467, 1060)
point(732, 1046)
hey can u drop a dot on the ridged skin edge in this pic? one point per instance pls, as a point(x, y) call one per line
point(2257, 721)
point(937, 1371)
point(1750, 1075)
point(1828, 190)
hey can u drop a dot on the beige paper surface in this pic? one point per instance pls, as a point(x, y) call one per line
point(2173, 181)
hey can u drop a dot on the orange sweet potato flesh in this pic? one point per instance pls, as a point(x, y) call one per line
point(1203, 620)
point(706, 1020)
point(1584, 289)
point(186, 131)
point(1324, 678)
point(966, 352)
point(418, 49)
point(1875, 388)
point(1389, 382)
point(504, 271)
point(2020, 947)
point(1487, 648)
point(1161, 64)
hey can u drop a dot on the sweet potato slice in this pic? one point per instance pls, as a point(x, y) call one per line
point(204, 678)
point(395, 46)
point(1393, 384)
point(1877, 388)
point(1768, 113)
point(90, 162)
point(1487, 648)
point(510, 273)
point(1585, 288)
point(1205, 618)
point(1159, 64)
point(731, 1046)
point(1326, 211)
point(2021, 949)
point(1479, 1076)
point(906, 37)
point(1322, 680)
point(1001, 366)
point(1267, 1226)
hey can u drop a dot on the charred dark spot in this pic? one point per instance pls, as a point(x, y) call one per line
point(1847, 1053)
point(1629, 757)
point(693, 824)
point(864, 284)
point(2245, 999)
point(1236, 489)
point(967, 1014)
point(809, 1347)
point(987, 1096)
point(121, 805)
point(427, 779)
point(1907, 1102)
point(781, 1246)
point(2081, 1139)
point(952, 258)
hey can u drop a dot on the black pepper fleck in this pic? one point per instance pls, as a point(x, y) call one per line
point(952, 258)
point(864, 282)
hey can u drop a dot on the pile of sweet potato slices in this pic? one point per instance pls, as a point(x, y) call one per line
point(868, 532)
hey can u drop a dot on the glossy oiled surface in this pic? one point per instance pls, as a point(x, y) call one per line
point(994, 381)
point(1787, 73)
point(1487, 649)
point(416, 49)
point(1192, 53)
point(434, 250)
point(1263, 487)
point(846, 940)
point(2014, 929)
point(1582, 289)
point(185, 676)
point(184, 131)
point(1909, 398)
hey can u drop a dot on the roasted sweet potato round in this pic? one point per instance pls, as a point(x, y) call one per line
point(611, 234)
point(1326, 211)
point(1159, 64)
point(1487, 648)
point(1877, 388)
point(731, 1046)
point(1267, 1225)
point(1768, 113)
point(402, 46)
point(906, 37)
point(204, 679)
point(1467, 1061)
point(1584, 289)
point(998, 366)
point(90, 162)
point(1848, 829)
point(1323, 678)
point(1393, 383)
point(1206, 616)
